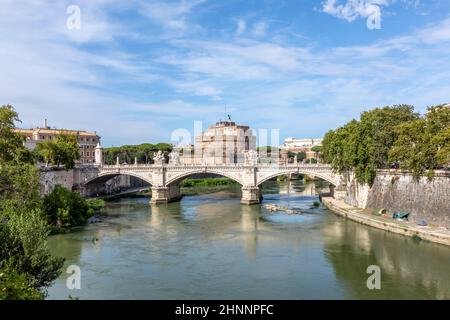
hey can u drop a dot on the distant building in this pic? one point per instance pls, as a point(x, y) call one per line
point(87, 140)
point(222, 143)
point(297, 145)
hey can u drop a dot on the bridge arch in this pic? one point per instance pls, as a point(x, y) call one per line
point(106, 176)
point(320, 175)
point(180, 177)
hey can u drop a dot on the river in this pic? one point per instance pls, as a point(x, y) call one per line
point(211, 247)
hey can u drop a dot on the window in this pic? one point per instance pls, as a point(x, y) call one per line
point(87, 153)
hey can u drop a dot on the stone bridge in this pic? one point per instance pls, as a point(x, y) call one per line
point(165, 178)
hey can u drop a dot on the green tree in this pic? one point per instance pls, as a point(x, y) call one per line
point(19, 185)
point(301, 156)
point(23, 246)
point(423, 145)
point(64, 150)
point(11, 143)
point(143, 152)
point(316, 149)
point(14, 286)
point(65, 208)
point(363, 146)
point(26, 266)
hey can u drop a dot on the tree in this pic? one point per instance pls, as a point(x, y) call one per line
point(316, 149)
point(26, 266)
point(19, 185)
point(63, 150)
point(363, 146)
point(11, 143)
point(423, 145)
point(15, 286)
point(301, 156)
point(376, 136)
point(143, 152)
point(65, 208)
point(23, 246)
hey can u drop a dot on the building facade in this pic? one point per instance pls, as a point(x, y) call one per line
point(297, 145)
point(87, 141)
point(222, 143)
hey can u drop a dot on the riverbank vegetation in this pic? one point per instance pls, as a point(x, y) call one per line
point(192, 186)
point(65, 209)
point(390, 137)
point(26, 266)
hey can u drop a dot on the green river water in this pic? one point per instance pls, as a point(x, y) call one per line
point(211, 247)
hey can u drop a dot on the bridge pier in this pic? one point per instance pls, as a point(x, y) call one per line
point(251, 195)
point(167, 194)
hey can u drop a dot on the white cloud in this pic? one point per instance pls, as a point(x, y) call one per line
point(436, 34)
point(170, 15)
point(132, 96)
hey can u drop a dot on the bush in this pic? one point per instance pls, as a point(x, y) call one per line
point(96, 205)
point(65, 208)
point(15, 286)
point(24, 255)
point(207, 182)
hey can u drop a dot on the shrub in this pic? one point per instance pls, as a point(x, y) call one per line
point(65, 208)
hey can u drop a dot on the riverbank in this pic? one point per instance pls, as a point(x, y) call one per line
point(433, 234)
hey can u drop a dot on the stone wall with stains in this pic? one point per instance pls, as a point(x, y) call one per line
point(398, 191)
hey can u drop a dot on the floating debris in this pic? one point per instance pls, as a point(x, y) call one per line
point(276, 208)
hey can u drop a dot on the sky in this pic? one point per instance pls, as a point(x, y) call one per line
point(135, 71)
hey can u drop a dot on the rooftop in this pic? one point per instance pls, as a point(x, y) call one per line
point(55, 131)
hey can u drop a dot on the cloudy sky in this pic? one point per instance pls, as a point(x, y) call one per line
point(137, 70)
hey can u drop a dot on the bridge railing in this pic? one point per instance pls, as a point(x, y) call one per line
point(232, 165)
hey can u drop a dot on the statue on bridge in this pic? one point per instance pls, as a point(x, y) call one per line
point(158, 157)
point(251, 158)
point(174, 158)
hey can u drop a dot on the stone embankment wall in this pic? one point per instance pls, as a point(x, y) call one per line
point(51, 178)
point(396, 191)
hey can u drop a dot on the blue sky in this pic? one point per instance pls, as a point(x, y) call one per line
point(137, 70)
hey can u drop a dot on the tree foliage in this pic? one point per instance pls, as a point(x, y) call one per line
point(63, 150)
point(423, 144)
point(65, 208)
point(11, 143)
point(23, 246)
point(363, 146)
point(15, 286)
point(26, 266)
point(143, 152)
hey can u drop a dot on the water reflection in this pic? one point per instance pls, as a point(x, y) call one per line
point(410, 269)
point(210, 246)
